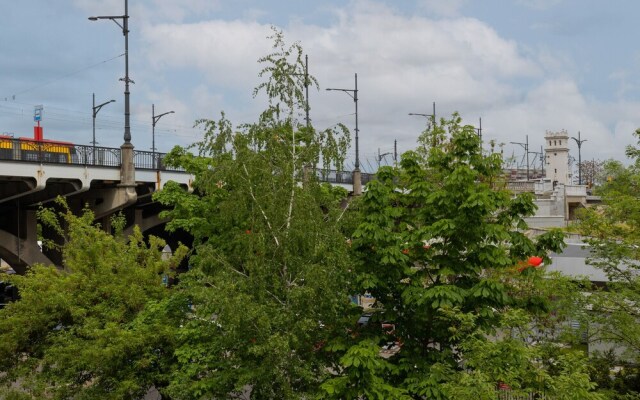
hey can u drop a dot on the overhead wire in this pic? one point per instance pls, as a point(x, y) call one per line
point(106, 120)
point(13, 96)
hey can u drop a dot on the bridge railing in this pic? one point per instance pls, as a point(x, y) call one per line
point(53, 152)
point(96, 156)
point(346, 177)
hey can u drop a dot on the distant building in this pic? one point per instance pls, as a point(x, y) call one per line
point(557, 157)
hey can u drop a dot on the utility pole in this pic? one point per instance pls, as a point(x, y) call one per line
point(526, 150)
point(154, 121)
point(395, 152)
point(579, 142)
point(306, 90)
point(96, 109)
point(357, 180)
point(381, 156)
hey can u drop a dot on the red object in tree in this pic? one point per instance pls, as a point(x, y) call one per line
point(534, 261)
point(248, 231)
point(405, 251)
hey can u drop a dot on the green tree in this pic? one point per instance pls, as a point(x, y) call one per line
point(593, 172)
point(613, 233)
point(269, 277)
point(441, 248)
point(89, 330)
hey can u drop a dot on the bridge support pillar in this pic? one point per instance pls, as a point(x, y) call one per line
point(137, 217)
point(106, 223)
point(114, 199)
point(31, 226)
point(127, 168)
point(357, 182)
point(125, 193)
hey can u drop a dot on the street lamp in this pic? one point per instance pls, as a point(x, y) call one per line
point(353, 93)
point(154, 120)
point(125, 31)
point(579, 142)
point(432, 116)
point(382, 156)
point(96, 109)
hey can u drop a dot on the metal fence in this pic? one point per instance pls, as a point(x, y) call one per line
point(52, 152)
point(96, 156)
point(346, 177)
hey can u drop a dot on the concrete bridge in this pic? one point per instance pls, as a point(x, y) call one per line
point(107, 180)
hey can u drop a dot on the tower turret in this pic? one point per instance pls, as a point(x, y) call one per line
point(557, 156)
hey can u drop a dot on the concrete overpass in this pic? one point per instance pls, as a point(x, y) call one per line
point(34, 173)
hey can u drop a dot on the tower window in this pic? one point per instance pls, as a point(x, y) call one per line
point(555, 170)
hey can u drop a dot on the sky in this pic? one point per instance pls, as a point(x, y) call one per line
point(523, 67)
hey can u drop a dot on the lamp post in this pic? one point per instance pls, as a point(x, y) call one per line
point(432, 116)
point(154, 120)
point(96, 109)
point(306, 90)
point(353, 93)
point(579, 142)
point(127, 168)
point(125, 31)
point(526, 150)
point(382, 156)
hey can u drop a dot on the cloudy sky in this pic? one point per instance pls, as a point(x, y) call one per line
point(523, 66)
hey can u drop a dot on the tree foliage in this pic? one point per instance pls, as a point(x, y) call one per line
point(441, 248)
point(269, 281)
point(592, 172)
point(614, 238)
point(88, 330)
point(264, 308)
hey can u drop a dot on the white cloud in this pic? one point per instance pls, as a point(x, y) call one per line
point(225, 53)
point(448, 8)
point(404, 63)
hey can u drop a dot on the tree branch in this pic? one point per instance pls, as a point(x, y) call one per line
point(345, 209)
point(275, 238)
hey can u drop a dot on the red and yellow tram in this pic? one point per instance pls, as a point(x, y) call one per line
point(43, 150)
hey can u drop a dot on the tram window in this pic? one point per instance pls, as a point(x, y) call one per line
point(28, 155)
point(6, 154)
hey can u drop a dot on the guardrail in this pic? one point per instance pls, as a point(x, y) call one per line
point(576, 190)
point(52, 152)
point(521, 186)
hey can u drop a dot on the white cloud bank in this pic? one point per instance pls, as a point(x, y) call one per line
point(404, 63)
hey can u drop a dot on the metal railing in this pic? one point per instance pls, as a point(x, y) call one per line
point(51, 152)
point(345, 177)
point(96, 156)
point(521, 186)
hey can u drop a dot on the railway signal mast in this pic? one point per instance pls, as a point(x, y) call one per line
point(37, 117)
